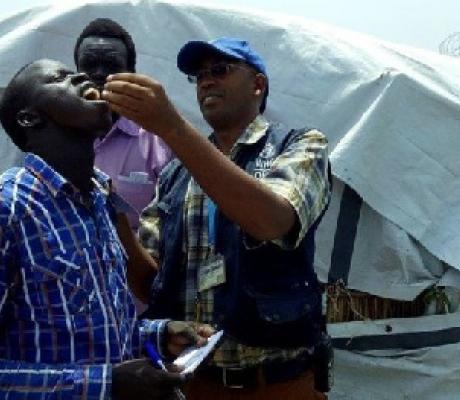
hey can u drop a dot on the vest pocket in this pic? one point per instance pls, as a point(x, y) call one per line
point(285, 308)
point(284, 319)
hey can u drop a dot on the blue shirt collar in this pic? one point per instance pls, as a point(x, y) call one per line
point(55, 182)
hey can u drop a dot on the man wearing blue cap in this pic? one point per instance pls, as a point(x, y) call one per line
point(233, 223)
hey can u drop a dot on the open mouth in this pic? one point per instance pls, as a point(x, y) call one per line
point(91, 94)
point(209, 100)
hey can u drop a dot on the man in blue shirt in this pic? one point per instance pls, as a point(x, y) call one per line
point(68, 321)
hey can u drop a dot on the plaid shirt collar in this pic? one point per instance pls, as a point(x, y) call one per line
point(251, 135)
point(55, 182)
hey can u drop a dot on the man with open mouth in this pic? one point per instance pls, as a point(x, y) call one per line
point(68, 321)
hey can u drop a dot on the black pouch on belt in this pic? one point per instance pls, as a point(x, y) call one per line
point(323, 361)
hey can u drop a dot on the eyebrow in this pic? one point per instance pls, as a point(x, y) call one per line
point(59, 71)
point(64, 71)
point(99, 50)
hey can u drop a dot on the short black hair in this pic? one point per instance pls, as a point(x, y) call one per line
point(15, 98)
point(105, 27)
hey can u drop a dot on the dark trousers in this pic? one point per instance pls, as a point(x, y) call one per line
point(301, 388)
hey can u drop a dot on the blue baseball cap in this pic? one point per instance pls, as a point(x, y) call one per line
point(192, 53)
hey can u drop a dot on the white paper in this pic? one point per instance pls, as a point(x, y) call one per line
point(191, 358)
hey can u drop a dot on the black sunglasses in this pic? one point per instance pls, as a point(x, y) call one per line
point(219, 70)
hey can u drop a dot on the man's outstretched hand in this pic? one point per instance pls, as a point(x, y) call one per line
point(140, 380)
point(143, 100)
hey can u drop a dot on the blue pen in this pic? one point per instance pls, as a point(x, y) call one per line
point(157, 361)
point(153, 355)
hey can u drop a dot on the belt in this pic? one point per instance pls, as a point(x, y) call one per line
point(252, 377)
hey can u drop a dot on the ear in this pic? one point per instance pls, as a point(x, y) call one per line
point(260, 84)
point(28, 118)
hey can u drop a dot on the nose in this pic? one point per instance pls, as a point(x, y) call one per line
point(78, 78)
point(205, 81)
point(100, 73)
point(98, 76)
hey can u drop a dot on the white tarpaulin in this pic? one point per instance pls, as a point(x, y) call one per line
point(367, 252)
point(391, 114)
point(398, 359)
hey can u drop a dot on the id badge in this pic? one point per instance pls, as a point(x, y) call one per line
point(212, 273)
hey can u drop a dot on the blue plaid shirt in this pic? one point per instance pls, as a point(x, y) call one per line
point(66, 313)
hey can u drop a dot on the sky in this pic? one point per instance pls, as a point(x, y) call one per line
point(418, 23)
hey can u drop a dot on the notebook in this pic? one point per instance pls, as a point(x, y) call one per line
point(191, 358)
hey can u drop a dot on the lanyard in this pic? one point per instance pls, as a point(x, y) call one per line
point(211, 222)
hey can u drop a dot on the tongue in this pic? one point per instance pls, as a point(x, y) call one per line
point(91, 94)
